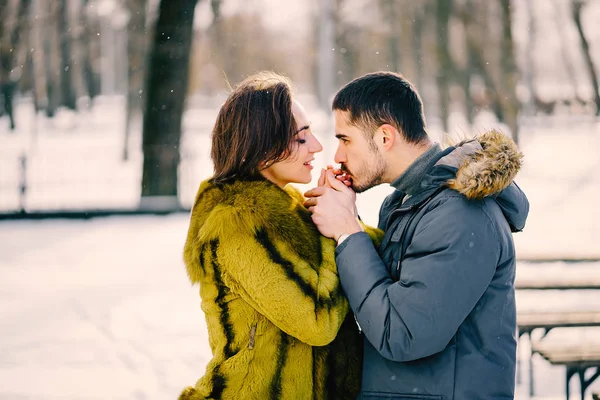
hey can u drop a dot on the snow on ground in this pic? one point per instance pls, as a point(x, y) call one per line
point(102, 309)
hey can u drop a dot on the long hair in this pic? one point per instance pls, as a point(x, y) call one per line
point(255, 126)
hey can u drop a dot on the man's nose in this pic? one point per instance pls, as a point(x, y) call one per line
point(340, 156)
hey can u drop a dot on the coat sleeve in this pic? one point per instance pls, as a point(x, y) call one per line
point(447, 268)
point(302, 298)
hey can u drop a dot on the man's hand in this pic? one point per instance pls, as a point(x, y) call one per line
point(333, 206)
point(340, 176)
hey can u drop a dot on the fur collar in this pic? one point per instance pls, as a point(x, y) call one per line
point(485, 165)
point(251, 206)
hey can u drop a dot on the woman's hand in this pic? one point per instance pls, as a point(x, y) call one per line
point(333, 206)
point(339, 175)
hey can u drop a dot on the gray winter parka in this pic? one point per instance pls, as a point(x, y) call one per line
point(436, 300)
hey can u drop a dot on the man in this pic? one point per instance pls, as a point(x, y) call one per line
point(436, 301)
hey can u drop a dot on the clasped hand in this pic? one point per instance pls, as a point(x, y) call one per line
point(333, 205)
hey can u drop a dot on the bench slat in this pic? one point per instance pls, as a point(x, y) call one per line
point(557, 319)
point(557, 283)
point(585, 352)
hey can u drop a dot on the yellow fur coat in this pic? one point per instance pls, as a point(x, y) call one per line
point(279, 324)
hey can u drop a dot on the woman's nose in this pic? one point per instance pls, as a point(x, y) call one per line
point(316, 146)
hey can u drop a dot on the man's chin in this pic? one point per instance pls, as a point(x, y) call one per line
point(358, 188)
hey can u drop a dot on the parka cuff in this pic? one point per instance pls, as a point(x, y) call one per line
point(347, 240)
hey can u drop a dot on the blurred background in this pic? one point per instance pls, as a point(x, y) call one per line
point(106, 110)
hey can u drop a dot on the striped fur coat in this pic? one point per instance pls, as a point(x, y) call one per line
point(278, 322)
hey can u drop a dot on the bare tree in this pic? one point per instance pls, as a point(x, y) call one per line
point(530, 65)
point(388, 8)
point(89, 49)
point(346, 38)
point(576, 7)
point(509, 73)
point(50, 45)
point(445, 70)
point(136, 51)
point(500, 82)
point(326, 60)
point(564, 43)
point(418, 26)
point(464, 74)
point(6, 65)
point(68, 96)
point(166, 88)
point(13, 47)
point(216, 25)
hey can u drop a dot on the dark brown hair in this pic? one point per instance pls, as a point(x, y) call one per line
point(255, 126)
point(383, 98)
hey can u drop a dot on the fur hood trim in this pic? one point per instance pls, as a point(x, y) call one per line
point(485, 165)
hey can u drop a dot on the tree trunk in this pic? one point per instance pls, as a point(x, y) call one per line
point(326, 59)
point(69, 99)
point(564, 43)
point(347, 41)
point(509, 73)
point(576, 7)
point(88, 42)
point(166, 89)
point(37, 44)
point(466, 74)
point(51, 57)
point(136, 50)
point(445, 65)
point(12, 53)
point(388, 8)
point(417, 45)
point(475, 47)
point(530, 68)
point(4, 16)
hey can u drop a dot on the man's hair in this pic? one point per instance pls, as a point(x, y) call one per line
point(383, 98)
point(255, 125)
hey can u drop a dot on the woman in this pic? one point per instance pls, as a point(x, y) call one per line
point(279, 324)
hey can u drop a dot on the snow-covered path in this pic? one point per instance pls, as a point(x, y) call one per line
point(102, 309)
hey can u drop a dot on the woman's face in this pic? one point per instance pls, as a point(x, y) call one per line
point(297, 167)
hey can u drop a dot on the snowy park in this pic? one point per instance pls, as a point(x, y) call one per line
point(95, 302)
point(102, 308)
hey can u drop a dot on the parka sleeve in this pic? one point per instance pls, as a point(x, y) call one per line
point(448, 266)
point(302, 298)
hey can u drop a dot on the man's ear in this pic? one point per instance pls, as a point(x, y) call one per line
point(385, 136)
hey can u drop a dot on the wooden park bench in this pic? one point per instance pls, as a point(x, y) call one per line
point(558, 283)
point(528, 321)
point(578, 358)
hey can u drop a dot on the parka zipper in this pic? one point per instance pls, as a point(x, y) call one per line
point(404, 223)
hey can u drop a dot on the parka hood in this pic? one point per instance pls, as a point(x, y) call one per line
point(485, 165)
point(482, 167)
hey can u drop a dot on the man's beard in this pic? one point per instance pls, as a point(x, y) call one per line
point(370, 176)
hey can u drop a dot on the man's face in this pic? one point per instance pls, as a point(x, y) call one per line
point(359, 157)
